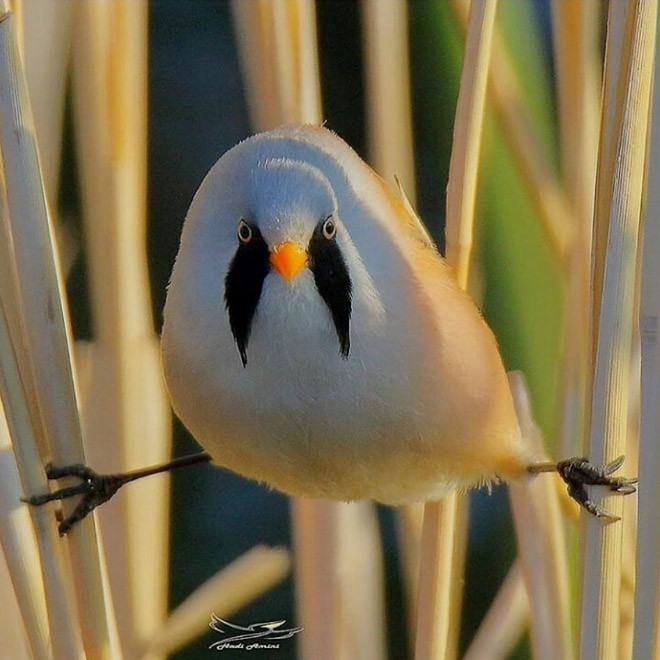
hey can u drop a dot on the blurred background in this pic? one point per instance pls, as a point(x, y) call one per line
point(197, 110)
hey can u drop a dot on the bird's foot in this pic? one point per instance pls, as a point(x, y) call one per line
point(96, 489)
point(578, 473)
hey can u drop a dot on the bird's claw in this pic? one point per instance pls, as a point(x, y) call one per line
point(579, 472)
point(95, 489)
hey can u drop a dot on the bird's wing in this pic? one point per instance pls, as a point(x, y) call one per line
point(412, 214)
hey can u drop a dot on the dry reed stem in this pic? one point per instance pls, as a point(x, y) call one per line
point(251, 20)
point(577, 66)
point(617, 63)
point(434, 585)
point(20, 549)
point(505, 620)
point(131, 424)
point(389, 133)
point(46, 332)
point(546, 191)
point(464, 163)
point(100, 401)
point(542, 548)
point(230, 589)
point(318, 592)
point(409, 521)
point(321, 529)
point(601, 585)
point(647, 610)
point(45, 47)
point(436, 578)
point(387, 78)
point(276, 41)
point(15, 645)
point(360, 562)
point(629, 548)
point(58, 590)
point(24, 435)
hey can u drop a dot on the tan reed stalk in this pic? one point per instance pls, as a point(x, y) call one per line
point(230, 589)
point(409, 521)
point(323, 531)
point(601, 585)
point(46, 332)
point(57, 584)
point(389, 133)
point(251, 27)
point(13, 633)
point(576, 32)
point(541, 544)
point(387, 78)
point(438, 531)
point(629, 548)
point(144, 400)
point(12, 629)
point(61, 607)
point(546, 191)
point(360, 562)
point(647, 610)
point(46, 44)
point(577, 65)
point(504, 622)
point(102, 415)
point(125, 404)
point(20, 551)
point(617, 53)
point(315, 524)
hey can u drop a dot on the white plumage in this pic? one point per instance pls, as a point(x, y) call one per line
point(419, 406)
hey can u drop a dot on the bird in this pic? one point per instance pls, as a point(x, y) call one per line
point(315, 340)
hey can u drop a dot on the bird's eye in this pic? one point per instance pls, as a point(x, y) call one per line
point(244, 232)
point(329, 228)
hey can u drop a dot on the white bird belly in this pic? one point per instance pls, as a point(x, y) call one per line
point(306, 421)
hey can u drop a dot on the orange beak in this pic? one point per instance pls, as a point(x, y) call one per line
point(288, 259)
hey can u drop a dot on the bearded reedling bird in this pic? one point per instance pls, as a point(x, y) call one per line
point(315, 340)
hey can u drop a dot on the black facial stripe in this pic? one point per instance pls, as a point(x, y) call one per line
point(243, 285)
point(333, 283)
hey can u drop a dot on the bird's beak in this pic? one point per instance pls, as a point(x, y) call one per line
point(288, 259)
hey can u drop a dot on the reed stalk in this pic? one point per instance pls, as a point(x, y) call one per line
point(577, 65)
point(601, 584)
point(504, 622)
point(387, 79)
point(578, 74)
point(390, 140)
point(272, 94)
point(60, 603)
point(233, 587)
point(13, 633)
point(44, 323)
point(131, 425)
point(45, 39)
point(277, 45)
point(647, 610)
point(360, 562)
point(20, 551)
point(553, 207)
point(617, 63)
point(541, 544)
point(438, 530)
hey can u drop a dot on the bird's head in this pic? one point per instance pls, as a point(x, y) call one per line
point(290, 225)
point(268, 229)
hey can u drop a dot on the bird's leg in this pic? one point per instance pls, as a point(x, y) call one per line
point(579, 472)
point(99, 488)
